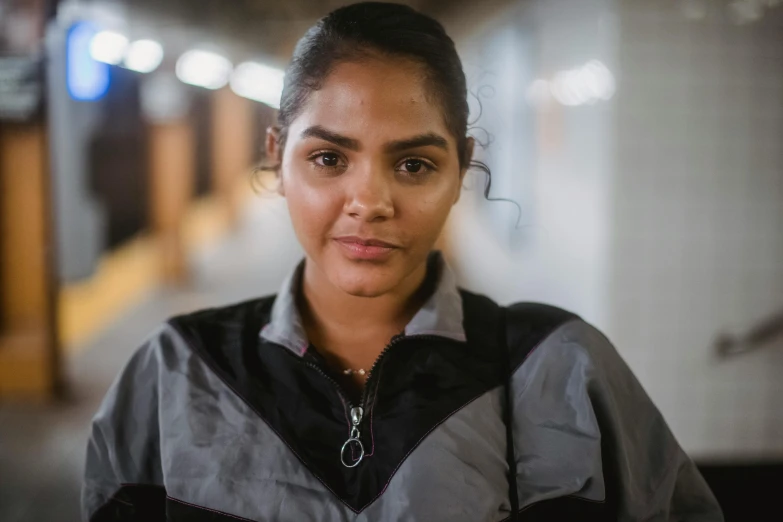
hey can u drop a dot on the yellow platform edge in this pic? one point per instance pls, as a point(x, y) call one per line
point(128, 274)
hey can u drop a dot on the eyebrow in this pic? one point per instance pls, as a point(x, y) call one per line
point(422, 140)
point(317, 131)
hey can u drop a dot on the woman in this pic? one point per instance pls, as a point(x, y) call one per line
point(371, 387)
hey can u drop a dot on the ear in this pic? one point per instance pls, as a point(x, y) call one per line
point(273, 143)
point(274, 153)
point(470, 144)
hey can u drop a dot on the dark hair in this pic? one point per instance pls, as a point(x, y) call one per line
point(356, 31)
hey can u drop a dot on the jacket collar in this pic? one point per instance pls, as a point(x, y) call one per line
point(440, 315)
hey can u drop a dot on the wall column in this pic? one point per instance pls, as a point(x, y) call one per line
point(29, 362)
point(171, 188)
point(232, 149)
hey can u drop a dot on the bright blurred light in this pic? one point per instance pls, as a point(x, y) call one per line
point(597, 80)
point(144, 56)
point(108, 47)
point(583, 86)
point(203, 69)
point(86, 78)
point(258, 82)
point(564, 89)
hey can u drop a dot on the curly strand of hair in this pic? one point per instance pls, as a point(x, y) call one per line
point(483, 167)
point(472, 124)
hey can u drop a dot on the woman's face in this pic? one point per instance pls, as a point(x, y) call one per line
point(370, 172)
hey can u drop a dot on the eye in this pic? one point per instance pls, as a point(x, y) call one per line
point(327, 159)
point(415, 166)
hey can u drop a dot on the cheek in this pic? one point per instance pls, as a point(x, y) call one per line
point(313, 210)
point(429, 211)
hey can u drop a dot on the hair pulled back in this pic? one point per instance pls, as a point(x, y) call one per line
point(356, 31)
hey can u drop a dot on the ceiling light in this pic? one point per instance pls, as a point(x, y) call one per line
point(203, 69)
point(258, 82)
point(108, 47)
point(583, 86)
point(144, 56)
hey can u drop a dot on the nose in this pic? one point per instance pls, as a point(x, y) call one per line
point(369, 195)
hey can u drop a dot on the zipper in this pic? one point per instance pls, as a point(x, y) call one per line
point(357, 411)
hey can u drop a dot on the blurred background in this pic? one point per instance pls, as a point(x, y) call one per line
point(643, 140)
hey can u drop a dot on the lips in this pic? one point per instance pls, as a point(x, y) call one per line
point(365, 249)
point(366, 242)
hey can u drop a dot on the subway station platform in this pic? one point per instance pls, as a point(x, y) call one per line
point(42, 446)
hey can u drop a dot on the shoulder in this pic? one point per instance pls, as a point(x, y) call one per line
point(219, 326)
point(230, 317)
point(550, 337)
point(546, 340)
point(529, 326)
point(175, 339)
point(569, 364)
point(579, 410)
point(166, 356)
point(533, 326)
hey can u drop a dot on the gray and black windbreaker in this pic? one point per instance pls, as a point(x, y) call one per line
point(229, 414)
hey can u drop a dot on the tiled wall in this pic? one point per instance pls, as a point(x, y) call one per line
point(558, 251)
point(657, 215)
point(697, 217)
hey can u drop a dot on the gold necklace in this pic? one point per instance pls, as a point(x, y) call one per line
point(350, 371)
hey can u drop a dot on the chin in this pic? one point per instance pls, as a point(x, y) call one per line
point(364, 292)
point(365, 281)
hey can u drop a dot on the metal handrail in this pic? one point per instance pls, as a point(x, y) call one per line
point(756, 337)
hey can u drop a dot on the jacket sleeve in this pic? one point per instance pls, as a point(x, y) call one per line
point(585, 424)
point(647, 472)
point(123, 479)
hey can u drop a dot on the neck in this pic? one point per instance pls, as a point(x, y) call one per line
point(351, 331)
point(324, 305)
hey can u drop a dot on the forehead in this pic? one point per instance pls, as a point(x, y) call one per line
point(374, 99)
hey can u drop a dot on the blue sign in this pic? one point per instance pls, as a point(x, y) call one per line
point(86, 78)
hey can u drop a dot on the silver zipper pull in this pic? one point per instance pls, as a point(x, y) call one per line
point(356, 415)
point(356, 419)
